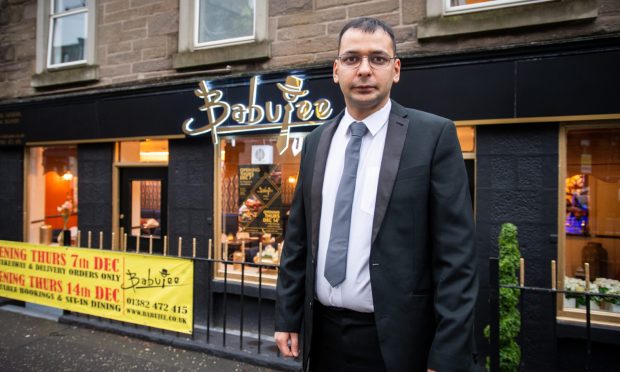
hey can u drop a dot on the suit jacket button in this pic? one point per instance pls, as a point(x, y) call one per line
point(310, 305)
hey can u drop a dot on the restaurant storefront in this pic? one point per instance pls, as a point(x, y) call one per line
point(217, 160)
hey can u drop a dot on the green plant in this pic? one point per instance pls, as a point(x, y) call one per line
point(510, 318)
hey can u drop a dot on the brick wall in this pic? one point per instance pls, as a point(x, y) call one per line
point(137, 38)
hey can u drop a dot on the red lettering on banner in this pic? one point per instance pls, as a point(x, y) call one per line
point(13, 253)
point(51, 258)
point(106, 294)
point(46, 284)
point(106, 264)
point(12, 278)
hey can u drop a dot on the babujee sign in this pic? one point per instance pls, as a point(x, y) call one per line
point(150, 290)
point(293, 112)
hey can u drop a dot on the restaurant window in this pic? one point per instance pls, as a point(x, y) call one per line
point(144, 151)
point(462, 6)
point(591, 219)
point(68, 35)
point(52, 194)
point(256, 190)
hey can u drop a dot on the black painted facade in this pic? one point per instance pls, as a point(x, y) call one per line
point(516, 164)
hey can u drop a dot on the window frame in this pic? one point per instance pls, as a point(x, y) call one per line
point(572, 314)
point(220, 53)
point(449, 9)
point(52, 17)
point(224, 42)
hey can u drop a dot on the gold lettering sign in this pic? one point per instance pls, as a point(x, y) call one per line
point(292, 113)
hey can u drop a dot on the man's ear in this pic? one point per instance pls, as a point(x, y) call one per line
point(335, 71)
point(396, 77)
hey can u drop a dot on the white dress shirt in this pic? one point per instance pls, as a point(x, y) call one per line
point(354, 292)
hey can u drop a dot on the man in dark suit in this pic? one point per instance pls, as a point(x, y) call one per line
point(379, 260)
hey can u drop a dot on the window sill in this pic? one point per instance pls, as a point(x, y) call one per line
point(508, 18)
point(73, 75)
point(224, 54)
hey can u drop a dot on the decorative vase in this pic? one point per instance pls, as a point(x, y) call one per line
point(66, 238)
point(570, 303)
point(614, 308)
point(594, 306)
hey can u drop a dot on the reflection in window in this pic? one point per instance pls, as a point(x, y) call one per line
point(52, 193)
point(225, 21)
point(455, 6)
point(592, 215)
point(257, 186)
point(68, 32)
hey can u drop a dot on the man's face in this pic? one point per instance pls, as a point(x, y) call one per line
point(366, 88)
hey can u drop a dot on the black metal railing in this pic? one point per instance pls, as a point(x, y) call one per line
point(216, 330)
point(552, 294)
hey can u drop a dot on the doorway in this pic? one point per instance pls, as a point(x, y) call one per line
point(143, 212)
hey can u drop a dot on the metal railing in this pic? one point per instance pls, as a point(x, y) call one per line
point(217, 331)
point(553, 293)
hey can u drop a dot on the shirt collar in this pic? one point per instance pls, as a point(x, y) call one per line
point(374, 122)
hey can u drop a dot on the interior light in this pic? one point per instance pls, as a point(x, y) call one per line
point(292, 179)
point(68, 176)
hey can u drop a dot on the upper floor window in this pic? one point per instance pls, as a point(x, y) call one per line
point(464, 6)
point(224, 22)
point(68, 25)
point(214, 32)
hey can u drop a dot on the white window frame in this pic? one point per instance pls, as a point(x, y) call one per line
point(54, 16)
point(231, 41)
point(449, 9)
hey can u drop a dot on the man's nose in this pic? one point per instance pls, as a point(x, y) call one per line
point(364, 67)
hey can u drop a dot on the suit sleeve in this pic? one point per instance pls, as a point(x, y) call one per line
point(453, 256)
point(290, 290)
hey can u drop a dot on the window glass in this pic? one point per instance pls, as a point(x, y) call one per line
point(68, 38)
point(473, 5)
point(257, 186)
point(592, 215)
point(52, 193)
point(467, 138)
point(66, 5)
point(144, 151)
point(225, 20)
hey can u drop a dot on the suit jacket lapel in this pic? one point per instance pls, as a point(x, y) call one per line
point(394, 143)
point(316, 192)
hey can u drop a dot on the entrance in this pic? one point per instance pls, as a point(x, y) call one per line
point(144, 207)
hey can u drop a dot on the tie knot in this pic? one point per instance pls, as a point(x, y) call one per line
point(358, 129)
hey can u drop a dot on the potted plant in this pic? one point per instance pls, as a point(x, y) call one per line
point(612, 287)
point(573, 285)
point(65, 212)
point(510, 317)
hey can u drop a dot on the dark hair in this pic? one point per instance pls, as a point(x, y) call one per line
point(368, 25)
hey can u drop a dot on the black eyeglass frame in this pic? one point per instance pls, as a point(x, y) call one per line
point(340, 57)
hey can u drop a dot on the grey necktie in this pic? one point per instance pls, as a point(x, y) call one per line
point(336, 259)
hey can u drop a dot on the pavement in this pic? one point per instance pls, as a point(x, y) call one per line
point(32, 343)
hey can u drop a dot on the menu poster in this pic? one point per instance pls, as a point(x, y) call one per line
point(260, 199)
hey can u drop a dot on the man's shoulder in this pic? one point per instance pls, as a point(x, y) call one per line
point(419, 116)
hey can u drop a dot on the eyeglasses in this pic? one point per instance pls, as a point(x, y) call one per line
point(376, 61)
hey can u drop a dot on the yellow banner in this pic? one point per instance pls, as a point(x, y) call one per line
point(153, 291)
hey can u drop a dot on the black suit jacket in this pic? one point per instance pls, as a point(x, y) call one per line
point(422, 259)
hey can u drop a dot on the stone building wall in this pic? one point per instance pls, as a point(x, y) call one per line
point(137, 39)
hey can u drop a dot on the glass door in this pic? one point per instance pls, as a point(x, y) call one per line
point(144, 208)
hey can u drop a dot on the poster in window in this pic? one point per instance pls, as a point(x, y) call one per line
point(577, 205)
point(260, 199)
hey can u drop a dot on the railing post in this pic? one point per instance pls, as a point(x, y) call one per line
point(494, 313)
